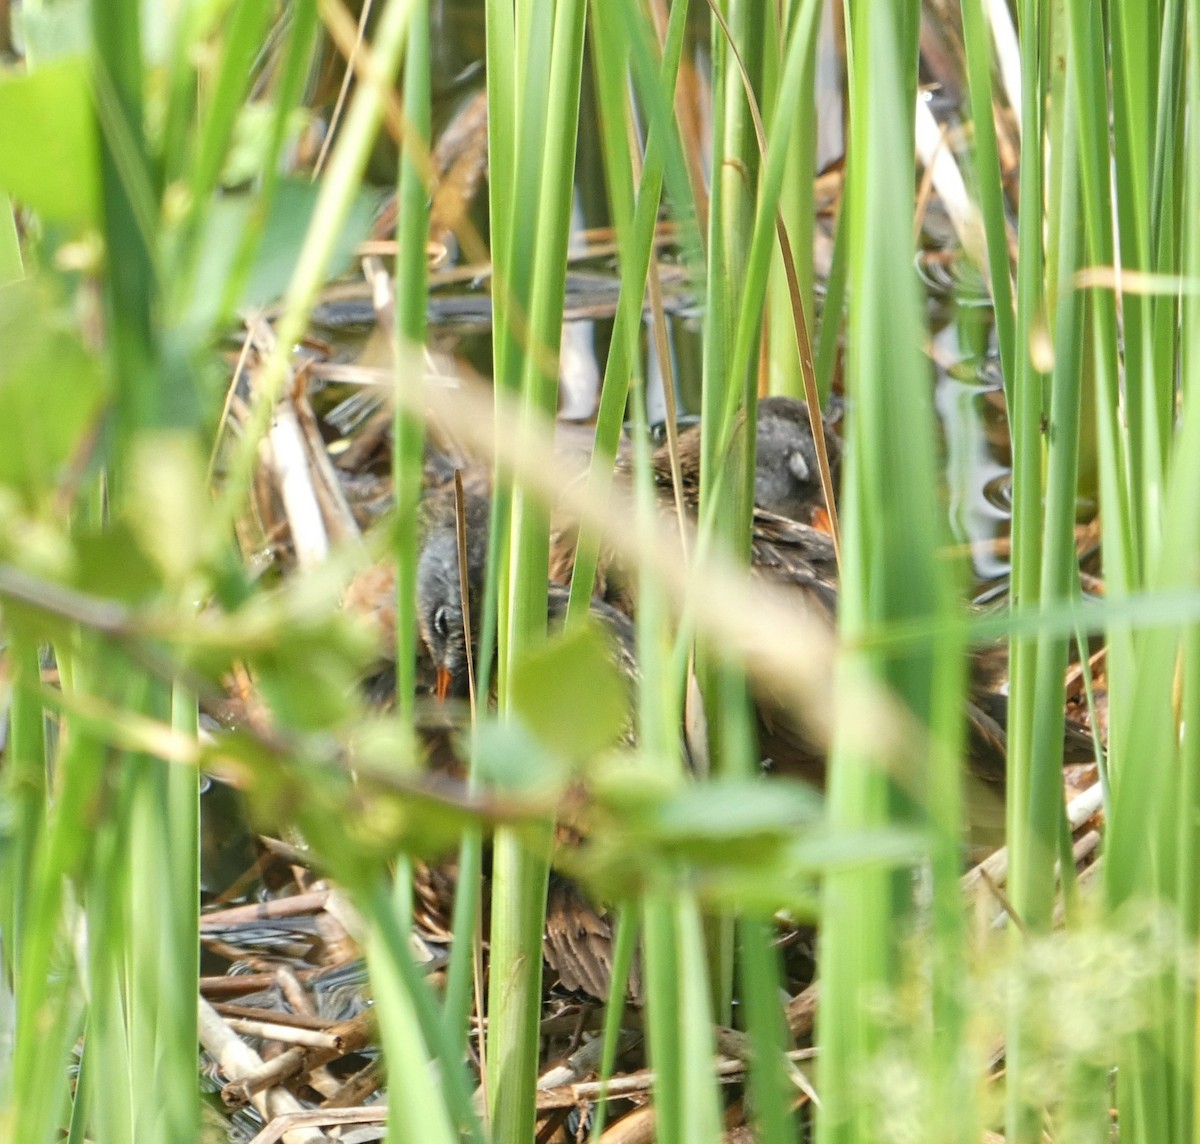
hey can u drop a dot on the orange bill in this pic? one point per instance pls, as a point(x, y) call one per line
point(443, 684)
point(820, 520)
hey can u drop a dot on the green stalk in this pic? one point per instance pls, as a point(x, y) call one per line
point(679, 1021)
point(408, 448)
point(25, 789)
point(408, 1026)
point(730, 384)
point(555, 168)
point(788, 133)
point(544, 110)
point(1046, 515)
point(1166, 193)
point(624, 948)
point(769, 1083)
point(212, 122)
point(128, 187)
point(1181, 511)
point(1034, 783)
point(1123, 537)
point(763, 225)
point(1152, 825)
point(891, 573)
point(680, 1116)
point(796, 205)
point(1188, 893)
point(1120, 510)
point(302, 40)
point(412, 231)
point(1025, 411)
point(460, 974)
point(1134, 41)
point(143, 980)
point(636, 248)
point(169, 939)
point(1059, 572)
point(508, 307)
point(111, 1113)
point(991, 191)
point(11, 268)
point(46, 1001)
point(413, 1030)
point(679, 976)
point(830, 329)
point(342, 179)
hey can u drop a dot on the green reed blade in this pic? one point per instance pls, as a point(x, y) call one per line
point(991, 192)
point(537, 98)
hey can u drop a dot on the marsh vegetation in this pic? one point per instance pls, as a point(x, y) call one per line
point(784, 838)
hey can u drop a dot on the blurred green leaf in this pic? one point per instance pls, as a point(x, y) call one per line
point(307, 684)
point(509, 758)
point(50, 158)
point(50, 389)
point(310, 678)
point(352, 813)
point(39, 546)
point(169, 503)
point(282, 236)
point(750, 846)
point(570, 693)
point(111, 563)
point(734, 822)
point(726, 810)
point(251, 143)
point(825, 848)
point(307, 654)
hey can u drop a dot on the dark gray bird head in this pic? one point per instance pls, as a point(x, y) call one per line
point(439, 593)
point(787, 480)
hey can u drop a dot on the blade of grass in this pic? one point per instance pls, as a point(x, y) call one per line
point(412, 1115)
point(991, 191)
point(635, 228)
point(143, 984)
point(10, 246)
point(796, 210)
point(1147, 837)
point(679, 1021)
point(543, 110)
point(676, 1076)
point(1031, 826)
point(412, 231)
point(213, 121)
point(341, 182)
point(891, 569)
point(47, 1001)
point(293, 73)
point(770, 1085)
point(26, 792)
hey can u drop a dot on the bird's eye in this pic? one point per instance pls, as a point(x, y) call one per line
point(441, 621)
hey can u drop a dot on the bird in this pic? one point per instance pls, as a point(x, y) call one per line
point(787, 547)
point(578, 934)
point(787, 477)
point(791, 548)
point(440, 615)
point(787, 493)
